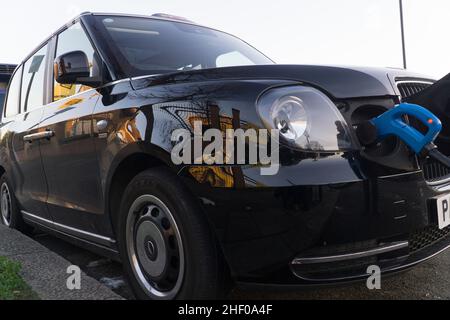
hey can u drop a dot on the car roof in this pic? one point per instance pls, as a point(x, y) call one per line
point(158, 16)
point(155, 16)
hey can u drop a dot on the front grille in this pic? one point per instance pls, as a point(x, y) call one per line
point(7, 68)
point(408, 89)
point(427, 237)
point(434, 171)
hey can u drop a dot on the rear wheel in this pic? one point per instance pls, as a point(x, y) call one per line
point(10, 213)
point(166, 244)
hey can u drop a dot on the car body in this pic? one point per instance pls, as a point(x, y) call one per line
point(6, 71)
point(324, 218)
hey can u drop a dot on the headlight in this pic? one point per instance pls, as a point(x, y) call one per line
point(306, 119)
point(290, 118)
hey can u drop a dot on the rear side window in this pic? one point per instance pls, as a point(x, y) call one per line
point(13, 98)
point(33, 81)
point(2, 93)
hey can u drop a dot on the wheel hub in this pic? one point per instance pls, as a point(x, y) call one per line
point(151, 248)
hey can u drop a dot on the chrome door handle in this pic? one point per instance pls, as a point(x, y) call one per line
point(102, 125)
point(39, 136)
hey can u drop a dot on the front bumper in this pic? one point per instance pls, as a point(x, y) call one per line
point(270, 234)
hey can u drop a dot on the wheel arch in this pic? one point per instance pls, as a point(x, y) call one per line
point(127, 166)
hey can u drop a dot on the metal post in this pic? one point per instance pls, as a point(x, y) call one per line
point(402, 22)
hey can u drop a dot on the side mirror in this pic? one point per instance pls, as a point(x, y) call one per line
point(73, 68)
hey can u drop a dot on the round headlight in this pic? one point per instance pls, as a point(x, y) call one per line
point(290, 117)
point(305, 119)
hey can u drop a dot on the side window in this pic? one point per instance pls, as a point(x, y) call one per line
point(73, 39)
point(13, 98)
point(33, 81)
point(2, 93)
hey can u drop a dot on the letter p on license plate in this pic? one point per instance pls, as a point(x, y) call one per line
point(443, 211)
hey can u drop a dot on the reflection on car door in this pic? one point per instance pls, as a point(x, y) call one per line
point(70, 161)
point(27, 170)
point(69, 157)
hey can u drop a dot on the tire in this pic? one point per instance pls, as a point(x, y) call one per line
point(10, 215)
point(166, 245)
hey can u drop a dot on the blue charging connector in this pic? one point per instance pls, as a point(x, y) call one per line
point(393, 122)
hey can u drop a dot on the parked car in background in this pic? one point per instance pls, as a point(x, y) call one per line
point(6, 71)
point(86, 154)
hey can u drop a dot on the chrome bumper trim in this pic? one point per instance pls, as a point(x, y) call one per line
point(352, 256)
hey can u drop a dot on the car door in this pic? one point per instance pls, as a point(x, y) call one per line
point(26, 165)
point(69, 157)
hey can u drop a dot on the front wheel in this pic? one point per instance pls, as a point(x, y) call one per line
point(167, 247)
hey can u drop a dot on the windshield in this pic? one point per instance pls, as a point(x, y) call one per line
point(148, 46)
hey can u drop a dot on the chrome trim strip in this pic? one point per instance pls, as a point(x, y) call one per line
point(414, 81)
point(114, 82)
point(147, 76)
point(356, 255)
point(70, 230)
point(401, 174)
point(123, 81)
point(438, 183)
point(400, 82)
point(441, 188)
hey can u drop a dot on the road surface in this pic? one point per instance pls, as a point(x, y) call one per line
point(430, 280)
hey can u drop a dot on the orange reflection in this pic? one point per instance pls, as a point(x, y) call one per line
point(128, 132)
point(70, 103)
point(218, 177)
point(62, 91)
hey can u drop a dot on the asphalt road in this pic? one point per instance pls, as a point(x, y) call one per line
point(430, 280)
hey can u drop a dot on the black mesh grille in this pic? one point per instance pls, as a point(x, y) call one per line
point(408, 89)
point(427, 237)
point(434, 171)
point(7, 68)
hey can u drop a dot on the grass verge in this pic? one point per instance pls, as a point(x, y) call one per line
point(12, 286)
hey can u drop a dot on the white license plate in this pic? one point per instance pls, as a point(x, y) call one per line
point(443, 211)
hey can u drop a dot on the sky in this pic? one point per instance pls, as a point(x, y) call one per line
point(336, 32)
